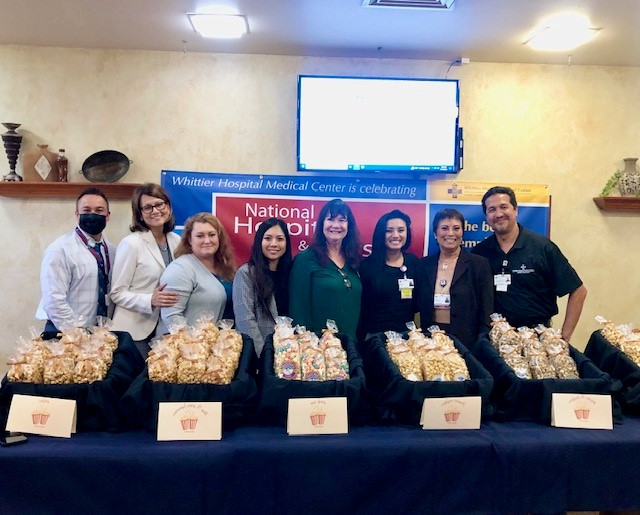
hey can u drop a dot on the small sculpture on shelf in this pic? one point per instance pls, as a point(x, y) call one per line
point(12, 141)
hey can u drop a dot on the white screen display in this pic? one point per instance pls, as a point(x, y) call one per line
point(377, 124)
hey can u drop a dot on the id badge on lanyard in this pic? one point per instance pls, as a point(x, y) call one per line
point(503, 280)
point(405, 285)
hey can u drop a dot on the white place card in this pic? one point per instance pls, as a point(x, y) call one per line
point(189, 421)
point(317, 416)
point(581, 410)
point(451, 413)
point(46, 416)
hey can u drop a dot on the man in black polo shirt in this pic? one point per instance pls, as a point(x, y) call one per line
point(529, 271)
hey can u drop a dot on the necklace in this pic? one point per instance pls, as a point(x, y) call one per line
point(445, 264)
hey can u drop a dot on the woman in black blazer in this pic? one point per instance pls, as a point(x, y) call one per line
point(455, 287)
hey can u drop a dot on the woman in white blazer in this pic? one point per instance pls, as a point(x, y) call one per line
point(141, 259)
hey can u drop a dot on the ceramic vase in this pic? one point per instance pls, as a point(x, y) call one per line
point(629, 183)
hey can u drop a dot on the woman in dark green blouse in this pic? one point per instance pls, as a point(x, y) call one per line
point(324, 282)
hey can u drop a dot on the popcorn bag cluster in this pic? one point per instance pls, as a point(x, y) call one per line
point(423, 358)
point(538, 353)
point(624, 337)
point(203, 354)
point(300, 355)
point(80, 355)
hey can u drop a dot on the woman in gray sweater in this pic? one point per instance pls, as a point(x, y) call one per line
point(261, 286)
point(204, 257)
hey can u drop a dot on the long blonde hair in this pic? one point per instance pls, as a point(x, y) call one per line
point(223, 260)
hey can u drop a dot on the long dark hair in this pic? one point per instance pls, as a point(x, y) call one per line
point(351, 245)
point(378, 245)
point(259, 274)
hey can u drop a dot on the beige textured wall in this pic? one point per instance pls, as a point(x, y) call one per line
point(568, 127)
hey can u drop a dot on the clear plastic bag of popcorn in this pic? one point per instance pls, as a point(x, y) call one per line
point(177, 335)
point(434, 366)
point(329, 338)
point(89, 366)
point(499, 326)
point(630, 343)
point(73, 337)
point(30, 355)
point(512, 338)
point(419, 343)
point(546, 334)
point(286, 350)
point(24, 367)
point(400, 353)
point(215, 372)
point(415, 334)
point(103, 348)
point(440, 339)
point(229, 337)
point(610, 331)
point(542, 368)
point(306, 338)
point(552, 340)
point(101, 332)
point(21, 371)
point(534, 348)
point(205, 331)
point(191, 364)
point(312, 364)
point(457, 369)
point(162, 362)
point(565, 367)
point(506, 349)
point(520, 366)
point(58, 366)
point(337, 366)
point(229, 357)
point(228, 348)
point(531, 345)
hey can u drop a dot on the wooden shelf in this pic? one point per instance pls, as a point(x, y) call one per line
point(113, 190)
point(617, 203)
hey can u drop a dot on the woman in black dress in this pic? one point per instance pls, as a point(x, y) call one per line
point(388, 277)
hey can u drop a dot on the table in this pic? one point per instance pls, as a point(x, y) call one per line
point(503, 467)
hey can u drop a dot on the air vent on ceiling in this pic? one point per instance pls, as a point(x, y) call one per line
point(438, 5)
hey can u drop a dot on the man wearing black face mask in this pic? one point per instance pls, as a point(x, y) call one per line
point(76, 268)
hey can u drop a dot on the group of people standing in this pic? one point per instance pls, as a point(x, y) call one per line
point(155, 278)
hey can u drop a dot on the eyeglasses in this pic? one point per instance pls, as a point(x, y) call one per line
point(346, 280)
point(148, 209)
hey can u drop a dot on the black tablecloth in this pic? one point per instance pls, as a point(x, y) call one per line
point(530, 399)
point(514, 467)
point(616, 363)
point(398, 400)
point(97, 403)
point(139, 404)
point(276, 392)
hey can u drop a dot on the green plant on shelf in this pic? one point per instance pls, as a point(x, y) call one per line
point(611, 183)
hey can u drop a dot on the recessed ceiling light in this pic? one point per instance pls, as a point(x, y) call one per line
point(562, 32)
point(219, 25)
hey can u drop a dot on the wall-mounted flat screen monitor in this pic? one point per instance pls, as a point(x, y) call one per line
point(378, 124)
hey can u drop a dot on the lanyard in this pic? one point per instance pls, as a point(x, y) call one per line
point(94, 252)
